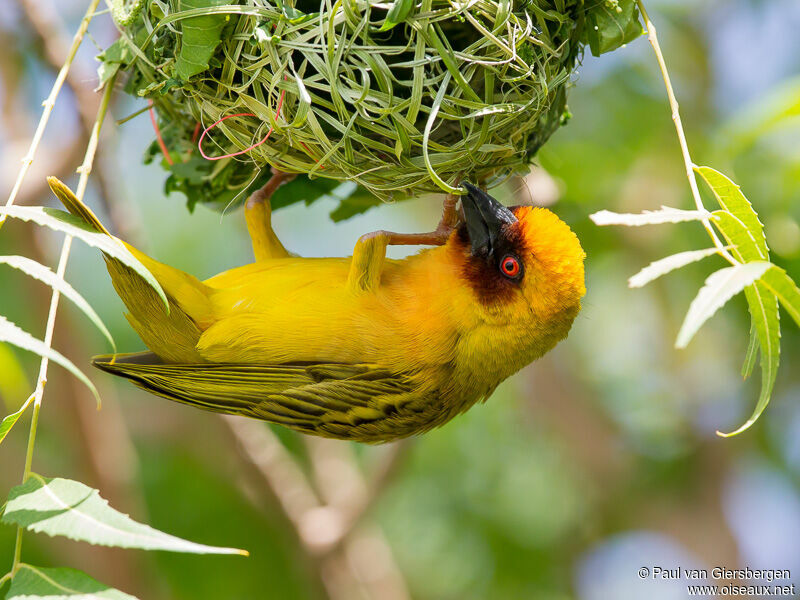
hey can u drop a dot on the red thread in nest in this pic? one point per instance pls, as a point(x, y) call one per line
point(196, 132)
point(160, 139)
point(217, 122)
point(199, 142)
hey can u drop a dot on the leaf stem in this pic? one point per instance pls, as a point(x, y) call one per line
point(85, 169)
point(50, 102)
point(652, 37)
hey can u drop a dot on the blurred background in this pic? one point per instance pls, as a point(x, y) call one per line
point(597, 460)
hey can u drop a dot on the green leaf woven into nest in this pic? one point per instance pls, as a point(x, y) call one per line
point(201, 36)
point(399, 97)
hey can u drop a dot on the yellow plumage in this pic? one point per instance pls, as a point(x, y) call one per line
point(361, 348)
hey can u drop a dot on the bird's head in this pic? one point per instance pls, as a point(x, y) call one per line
point(524, 264)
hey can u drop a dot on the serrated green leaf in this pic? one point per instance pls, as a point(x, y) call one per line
point(11, 334)
point(64, 222)
point(649, 217)
point(751, 354)
point(740, 226)
point(303, 189)
point(730, 198)
point(743, 245)
point(114, 57)
point(611, 24)
point(39, 583)
point(47, 276)
point(200, 37)
point(193, 170)
point(720, 287)
point(398, 13)
point(764, 315)
point(785, 289)
point(354, 200)
point(69, 508)
point(9, 421)
point(661, 267)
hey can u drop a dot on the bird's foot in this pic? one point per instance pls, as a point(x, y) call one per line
point(263, 195)
point(438, 237)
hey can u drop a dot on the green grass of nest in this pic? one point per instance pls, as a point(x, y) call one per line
point(454, 91)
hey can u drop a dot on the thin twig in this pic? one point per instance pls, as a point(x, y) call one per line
point(363, 552)
point(327, 523)
point(335, 473)
point(56, 45)
point(370, 488)
point(676, 118)
point(343, 486)
point(60, 163)
point(281, 473)
point(370, 558)
point(85, 169)
point(50, 102)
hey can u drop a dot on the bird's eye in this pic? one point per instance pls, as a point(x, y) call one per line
point(510, 267)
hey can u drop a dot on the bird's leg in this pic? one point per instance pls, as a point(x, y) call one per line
point(370, 251)
point(258, 214)
point(437, 237)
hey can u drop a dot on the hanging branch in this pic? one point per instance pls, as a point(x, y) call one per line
point(327, 531)
point(85, 169)
point(50, 102)
point(764, 284)
point(652, 37)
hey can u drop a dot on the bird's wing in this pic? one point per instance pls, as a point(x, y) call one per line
point(348, 401)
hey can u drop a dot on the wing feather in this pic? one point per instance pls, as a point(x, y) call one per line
point(333, 400)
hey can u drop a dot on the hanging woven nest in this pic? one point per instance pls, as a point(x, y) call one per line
point(400, 97)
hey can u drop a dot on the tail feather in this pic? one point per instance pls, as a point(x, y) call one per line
point(73, 204)
point(172, 336)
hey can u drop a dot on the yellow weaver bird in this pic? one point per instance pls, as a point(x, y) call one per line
point(362, 348)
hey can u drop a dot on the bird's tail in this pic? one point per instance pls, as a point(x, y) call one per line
point(171, 335)
point(73, 204)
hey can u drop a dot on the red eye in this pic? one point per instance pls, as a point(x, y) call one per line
point(510, 266)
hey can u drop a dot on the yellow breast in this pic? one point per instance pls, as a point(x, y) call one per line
point(300, 309)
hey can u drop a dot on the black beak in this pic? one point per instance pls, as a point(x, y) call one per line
point(485, 219)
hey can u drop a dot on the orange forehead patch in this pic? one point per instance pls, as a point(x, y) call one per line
point(547, 237)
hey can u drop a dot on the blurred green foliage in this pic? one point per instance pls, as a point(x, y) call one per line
point(609, 435)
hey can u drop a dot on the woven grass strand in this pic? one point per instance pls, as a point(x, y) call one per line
point(358, 102)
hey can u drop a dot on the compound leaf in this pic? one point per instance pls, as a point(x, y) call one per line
point(10, 420)
point(730, 198)
point(766, 320)
point(69, 508)
point(58, 220)
point(720, 287)
point(12, 334)
point(47, 276)
point(649, 217)
point(39, 583)
point(661, 267)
